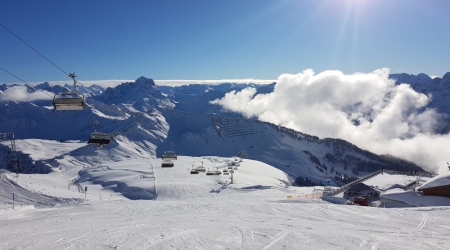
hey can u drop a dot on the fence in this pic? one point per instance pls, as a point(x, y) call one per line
point(304, 196)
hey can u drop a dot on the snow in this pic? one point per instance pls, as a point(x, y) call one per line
point(439, 180)
point(44, 149)
point(388, 181)
point(414, 198)
point(198, 211)
point(133, 203)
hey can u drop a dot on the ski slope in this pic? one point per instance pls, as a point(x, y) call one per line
point(202, 212)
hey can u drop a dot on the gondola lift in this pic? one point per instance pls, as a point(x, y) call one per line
point(71, 100)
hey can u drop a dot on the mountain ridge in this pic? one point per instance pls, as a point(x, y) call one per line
point(141, 114)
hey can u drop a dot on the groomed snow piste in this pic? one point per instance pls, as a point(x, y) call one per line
point(196, 211)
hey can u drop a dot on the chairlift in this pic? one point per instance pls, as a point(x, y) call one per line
point(71, 100)
point(201, 168)
point(167, 164)
point(99, 137)
point(169, 155)
point(194, 171)
point(217, 172)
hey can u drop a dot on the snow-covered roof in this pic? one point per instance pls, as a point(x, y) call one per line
point(440, 180)
point(358, 187)
point(415, 199)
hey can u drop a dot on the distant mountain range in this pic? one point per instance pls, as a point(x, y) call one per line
point(151, 117)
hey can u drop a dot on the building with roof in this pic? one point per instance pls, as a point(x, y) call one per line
point(361, 189)
point(438, 186)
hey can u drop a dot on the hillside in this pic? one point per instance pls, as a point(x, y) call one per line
point(140, 114)
point(194, 211)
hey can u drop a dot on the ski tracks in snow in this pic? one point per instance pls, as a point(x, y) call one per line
point(277, 237)
point(423, 222)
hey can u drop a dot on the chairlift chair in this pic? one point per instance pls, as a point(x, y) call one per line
point(71, 100)
point(194, 171)
point(169, 155)
point(201, 168)
point(167, 164)
point(99, 137)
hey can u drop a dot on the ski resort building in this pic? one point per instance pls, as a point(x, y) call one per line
point(438, 186)
point(361, 189)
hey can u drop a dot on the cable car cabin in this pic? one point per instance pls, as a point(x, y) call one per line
point(69, 101)
point(167, 164)
point(99, 137)
point(169, 155)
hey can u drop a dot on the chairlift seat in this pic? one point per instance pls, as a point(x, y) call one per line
point(99, 137)
point(169, 155)
point(167, 164)
point(69, 101)
point(194, 171)
point(200, 169)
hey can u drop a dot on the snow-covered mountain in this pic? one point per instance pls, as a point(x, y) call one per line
point(140, 114)
point(119, 197)
point(438, 88)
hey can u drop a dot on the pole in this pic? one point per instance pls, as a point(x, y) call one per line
point(13, 201)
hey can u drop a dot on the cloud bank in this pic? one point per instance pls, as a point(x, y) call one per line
point(21, 94)
point(366, 109)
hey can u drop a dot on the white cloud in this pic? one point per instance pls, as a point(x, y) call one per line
point(367, 109)
point(211, 82)
point(20, 94)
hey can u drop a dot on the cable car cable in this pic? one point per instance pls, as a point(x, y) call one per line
point(20, 39)
point(26, 83)
point(33, 49)
point(67, 74)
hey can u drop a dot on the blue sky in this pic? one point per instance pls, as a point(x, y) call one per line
point(230, 39)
